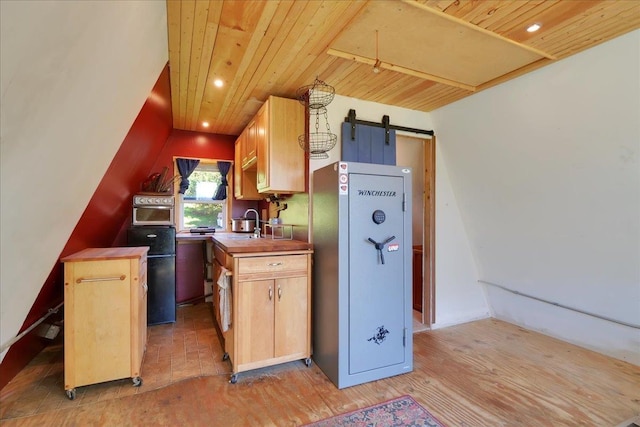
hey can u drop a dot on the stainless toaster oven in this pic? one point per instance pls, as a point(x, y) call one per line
point(153, 209)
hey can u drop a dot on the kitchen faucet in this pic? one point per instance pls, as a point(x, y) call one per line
point(256, 231)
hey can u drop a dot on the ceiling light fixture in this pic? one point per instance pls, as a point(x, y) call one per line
point(218, 83)
point(533, 28)
point(376, 66)
point(205, 124)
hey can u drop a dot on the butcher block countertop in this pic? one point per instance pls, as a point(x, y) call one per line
point(238, 244)
point(97, 254)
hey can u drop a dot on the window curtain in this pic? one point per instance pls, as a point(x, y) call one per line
point(221, 192)
point(186, 167)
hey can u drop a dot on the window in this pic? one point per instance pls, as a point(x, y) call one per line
point(197, 207)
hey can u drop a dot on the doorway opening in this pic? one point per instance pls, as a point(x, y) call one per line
point(419, 154)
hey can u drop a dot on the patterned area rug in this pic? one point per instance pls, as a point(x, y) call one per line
point(402, 411)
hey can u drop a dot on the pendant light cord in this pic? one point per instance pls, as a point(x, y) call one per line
point(376, 66)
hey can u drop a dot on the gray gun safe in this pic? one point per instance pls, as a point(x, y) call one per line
point(362, 312)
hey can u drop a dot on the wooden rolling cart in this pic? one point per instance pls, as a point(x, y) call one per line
point(105, 312)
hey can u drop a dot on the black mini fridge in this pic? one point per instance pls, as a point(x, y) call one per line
point(161, 270)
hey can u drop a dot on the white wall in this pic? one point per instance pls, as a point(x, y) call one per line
point(459, 298)
point(546, 172)
point(71, 88)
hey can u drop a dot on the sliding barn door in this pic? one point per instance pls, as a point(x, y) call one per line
point(369, 146)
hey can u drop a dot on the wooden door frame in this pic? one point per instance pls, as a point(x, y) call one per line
point(428, 243)
point(429, 233)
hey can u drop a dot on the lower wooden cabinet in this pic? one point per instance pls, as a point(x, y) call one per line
point(271, 314)
point(276, 325)
point(105, 312)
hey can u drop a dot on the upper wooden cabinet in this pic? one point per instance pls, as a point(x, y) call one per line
point(244, 180)
point(280, 160)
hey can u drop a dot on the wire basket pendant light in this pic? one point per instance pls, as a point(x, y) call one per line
point(319, 142)
point(316, 97)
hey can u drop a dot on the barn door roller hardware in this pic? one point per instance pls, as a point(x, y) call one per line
point(351, 118)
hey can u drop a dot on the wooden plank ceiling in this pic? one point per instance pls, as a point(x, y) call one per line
point(429, 52)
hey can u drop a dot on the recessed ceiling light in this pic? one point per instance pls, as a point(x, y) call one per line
point(533, 28)
point(218, 83)
point(205, 124)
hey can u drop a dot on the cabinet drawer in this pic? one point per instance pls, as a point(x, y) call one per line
point(219, 255)
point(273, 264)
point(101, 271)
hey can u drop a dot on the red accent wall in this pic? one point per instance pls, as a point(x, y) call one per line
point(184, 143)
point(105, 213)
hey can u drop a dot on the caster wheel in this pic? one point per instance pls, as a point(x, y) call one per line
point(307, 361)
point(233, 379)
point(71, 394)
point(225, 357)
point(137, 381)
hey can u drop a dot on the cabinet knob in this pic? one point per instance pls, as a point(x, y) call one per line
point(279, 292)
point(270, 293)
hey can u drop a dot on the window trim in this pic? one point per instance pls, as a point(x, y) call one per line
point(179, 200)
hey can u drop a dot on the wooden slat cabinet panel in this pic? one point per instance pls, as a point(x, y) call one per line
point(105, 313)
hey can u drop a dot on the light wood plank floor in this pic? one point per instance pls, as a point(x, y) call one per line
point(484, 373)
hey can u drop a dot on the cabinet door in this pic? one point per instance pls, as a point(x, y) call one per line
point(262, 146)
point(281, 161)
point(291, 317)
point(249, 146)
point(254, 330)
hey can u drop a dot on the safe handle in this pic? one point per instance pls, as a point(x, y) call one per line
point(380, 246)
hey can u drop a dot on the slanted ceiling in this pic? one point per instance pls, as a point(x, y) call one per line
point(430, 52)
